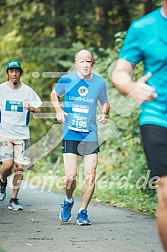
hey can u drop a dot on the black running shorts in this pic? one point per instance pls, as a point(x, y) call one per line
point(155, 147)
point(79, 147)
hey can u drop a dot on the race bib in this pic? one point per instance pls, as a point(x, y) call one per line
point(78, 122)
point(14, 106)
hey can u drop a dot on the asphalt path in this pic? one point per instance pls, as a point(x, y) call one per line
point(38, 229)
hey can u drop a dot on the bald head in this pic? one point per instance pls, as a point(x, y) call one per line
point(84, 62)
point(82, 54)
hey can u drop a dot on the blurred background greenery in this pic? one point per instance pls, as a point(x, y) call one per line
point(44, 36)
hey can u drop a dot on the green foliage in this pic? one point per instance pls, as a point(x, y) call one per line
point(122, 176)
point(44, 36)
point(2, 250)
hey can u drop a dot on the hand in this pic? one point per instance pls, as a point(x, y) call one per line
point(102, 118)
point(27, 106)
point(142, 92)
point(60, 116)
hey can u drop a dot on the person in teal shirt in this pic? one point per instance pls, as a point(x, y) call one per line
point(146, 41)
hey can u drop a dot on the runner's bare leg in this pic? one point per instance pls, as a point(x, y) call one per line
point(70, 164)
point(17, 180)
point(162, 210)
point(6, 169)
point(90, 164)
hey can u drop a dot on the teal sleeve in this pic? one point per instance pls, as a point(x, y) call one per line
point(130, 50)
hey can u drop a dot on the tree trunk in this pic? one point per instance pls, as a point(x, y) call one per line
point(148, 6)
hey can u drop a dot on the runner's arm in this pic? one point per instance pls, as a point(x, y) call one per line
point(31, 108)
point(105, 108)
point(56, 104)
point(122, 80)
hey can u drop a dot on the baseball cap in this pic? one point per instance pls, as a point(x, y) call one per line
point(13, 64)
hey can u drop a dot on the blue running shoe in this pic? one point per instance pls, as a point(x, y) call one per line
point(65, 214)
point(82, 218)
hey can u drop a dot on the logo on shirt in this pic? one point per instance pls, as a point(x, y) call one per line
point(82, 91)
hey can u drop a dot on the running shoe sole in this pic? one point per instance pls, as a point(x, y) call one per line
point(64, 220)
point(11, 208)
point(83, 224)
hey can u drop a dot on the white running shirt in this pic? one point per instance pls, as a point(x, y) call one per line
point(14, 119)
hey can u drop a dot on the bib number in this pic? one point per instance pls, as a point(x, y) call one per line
point(14, 106)
point(79, 122)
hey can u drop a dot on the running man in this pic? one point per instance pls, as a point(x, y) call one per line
point(81, 90)
point(146, 41)
point(17, 100)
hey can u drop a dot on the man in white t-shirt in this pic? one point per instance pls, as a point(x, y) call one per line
point(17, 100)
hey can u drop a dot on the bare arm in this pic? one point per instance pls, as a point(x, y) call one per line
point(105, 108)
point(122, 80)
point(56, 104)
point(29, 107)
